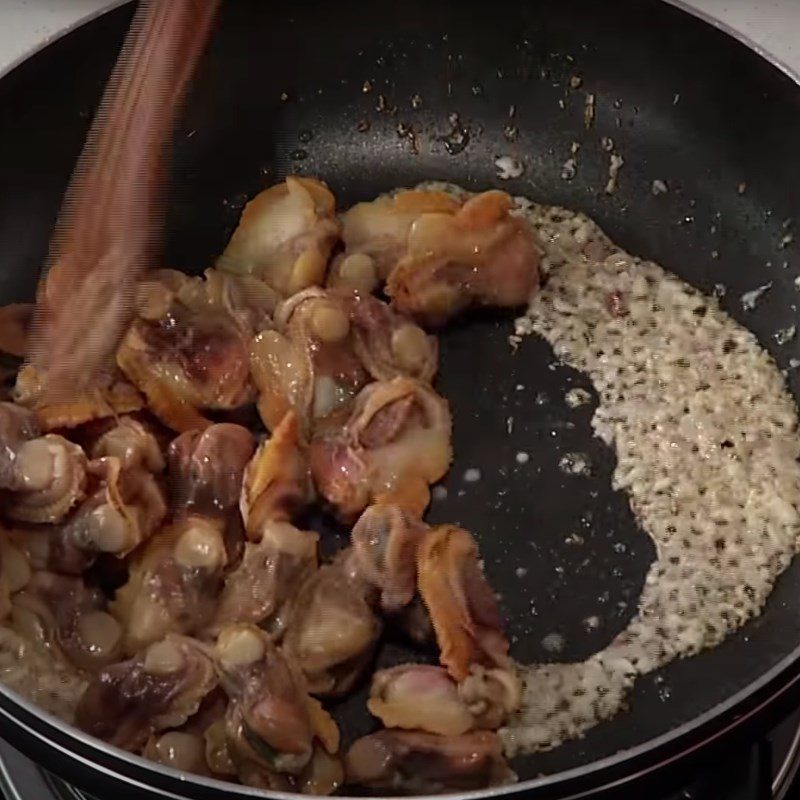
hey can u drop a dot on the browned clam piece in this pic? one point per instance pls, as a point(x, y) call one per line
point(246, 299)
point(415, 762)
point(184, 747)
point(178, 749)
point(185, 353)
point(124, 507)
point(109, 397)
point(175, 580)
point(261, 589)
point(308, 363)
point(285, 236)
point(419, 697)
point(160, 688)
point(277, 481)
point(327, 344)
point(389, 344)
point(426, 698)
point(384, 553)
point(132, 443)
point(124, 504)
point(173, 583)
point(468, 624)
point(42, 477)
point(332, 631)
point(395, 443)
point(272, 726)
point(375, 236)
point(278, 557)
point(479, 256)
point(206, 468)
point(69, 619)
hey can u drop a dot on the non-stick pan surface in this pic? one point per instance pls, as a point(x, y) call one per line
point(332, 89)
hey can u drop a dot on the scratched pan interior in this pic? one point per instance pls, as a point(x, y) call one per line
point(284, 91)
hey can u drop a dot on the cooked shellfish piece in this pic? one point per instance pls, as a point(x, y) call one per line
point(395, 443)
point(247, 300)
point(186, 357)
point(426, 698)
point(159, 688)
point(174, 582)
point(308, 362)
point(68, 618)
point(206, 468)
point(331, 631)
point(123, 509)
point(277, 480)
point(285, 236)
point(270, 721)
point(261, 588)
point(180, 750)
point(384, 553)
point(479, 256)
point(462, 606)
point(414, 762)
point(130, 441)
point(107, 398)
point(389, 344)
point(419, 697)
point(375, 235)
point(46, 476)
point(328, 344)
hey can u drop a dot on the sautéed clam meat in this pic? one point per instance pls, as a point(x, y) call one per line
point(159, 553)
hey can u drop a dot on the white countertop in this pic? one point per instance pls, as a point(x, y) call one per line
point(773, 26)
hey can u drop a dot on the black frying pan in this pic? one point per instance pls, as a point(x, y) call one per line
point(281, 90)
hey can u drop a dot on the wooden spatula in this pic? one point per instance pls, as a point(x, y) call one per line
point(109, 228)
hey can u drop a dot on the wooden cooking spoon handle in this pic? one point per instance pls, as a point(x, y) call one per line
point(109, 227)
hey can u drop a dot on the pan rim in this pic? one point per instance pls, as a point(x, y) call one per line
point(785, 672)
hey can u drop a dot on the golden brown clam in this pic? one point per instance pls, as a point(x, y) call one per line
point(68, 618)
point(480, 256)
point(52, 471)
point(285, 236)
point(132, 443)
point(389, 344)
point(186, 357)
point(277, 481)
point(462, 606)
point(206, 468)
point(331, 631)
point(178, 749)
point(415, 762)
point(308, 363)
point(271, 721)
point(174, 582)
point(261, 588)
point(384, 553)
point(158, 689)
point(395, 443)
point(375, 235)
point(419, 697)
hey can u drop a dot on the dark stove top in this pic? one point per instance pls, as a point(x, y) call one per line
point(766, 770)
